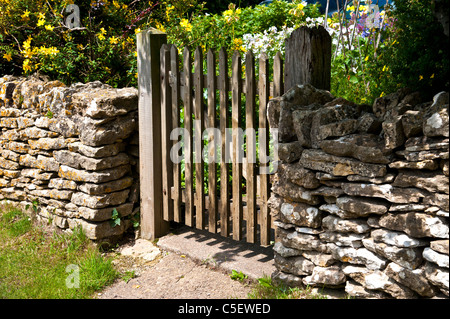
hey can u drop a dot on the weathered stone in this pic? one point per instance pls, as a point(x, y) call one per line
point(425, 164)
point(360, 256)
point(300, 241)
point(416, 224)
point(437, 276)
point(439, 259)
point(334, 209)
point(343, 239)
point(318, 258)
point(398, 239)
point(9, 122)
point(298, 175)
point(325, 276)
point(100, 230)
point(76, 160)
point(410, 258)
point(47, 163)
point(294, 265)
point(339, 166)
point(290, 152)
point(279, 277)
point(67, 127)
point(412, 123)
point(386, 191)
point(10, 165)
point(393, 133)
point(436, 121)
point(48, 143)
point(37, 174)
point(93, 177)
point(106, 102)
point(362, 206)
point(100, 201)
point(380, 281)
point(35, 133)
point(301, 214)
point(369, 123)
point(424, 155)
point(430, 181)
point(302, 121)
point(60, 183)
point(358, 291)
point(424, 143)
point(388, 178)
point(53, 193)
point(285, 251)
point(96, 152)
point(108, 187)
point(108, 133)
point(441, 246)
point(294, 192)
point(333, 223)
point(367, 148)
point(18, 147)
point(437, 199)
point(413, 279)
point(101, 214)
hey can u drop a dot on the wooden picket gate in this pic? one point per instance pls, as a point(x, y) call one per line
point(168, 88)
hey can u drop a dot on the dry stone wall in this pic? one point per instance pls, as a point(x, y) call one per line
point(69, 154)
point(360, 196)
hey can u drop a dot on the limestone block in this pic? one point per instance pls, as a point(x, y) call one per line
point(108, 187)
point(436, 121)
point(318, 258)
point(439, 259)
point(430, 181)
point(301, 214)
point(290, 152)
point(298, 175)
point(325, 276)
point(100, 201)
point(367, 148)
point(10, 165)
point(294, 192)
point(410, 258)
point(437, 276)
point(362, 206)
point(343, 239)
point(101, 214)
point(339, 166)
point(380, 281)
point(48, 143)
point(298, 265)
point(333, 223)
point(416, 224)
point(76, 160)
point(386, 191)
point(96, 152)
point(413, 279)
point(285, 251)
point(398, 239)
point(359, 256)
point(60, 183)
point(441, 246)
point(300, 241)
point(393, 132)
point(99, 230)
point(93, 177)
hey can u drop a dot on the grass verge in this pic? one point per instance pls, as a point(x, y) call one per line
point(266, 289)
point(38, 264)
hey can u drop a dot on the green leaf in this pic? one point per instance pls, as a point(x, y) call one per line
point(354, 79)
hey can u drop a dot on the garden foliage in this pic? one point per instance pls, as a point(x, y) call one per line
point(374, 51)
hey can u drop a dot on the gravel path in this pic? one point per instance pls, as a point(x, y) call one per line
point(166, 275)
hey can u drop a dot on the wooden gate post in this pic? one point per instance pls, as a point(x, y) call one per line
point(308, 58)
point(149, 43)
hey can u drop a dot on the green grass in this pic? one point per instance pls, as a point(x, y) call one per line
point(266, 289)
point(36, 263)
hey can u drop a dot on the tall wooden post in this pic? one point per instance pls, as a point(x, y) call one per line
point(308, 58)
point(149, 43)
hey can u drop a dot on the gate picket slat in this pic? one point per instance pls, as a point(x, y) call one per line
point(236, 137)
point(264, 148)
point(166, 126)
point(212, 181)
point(189, 200)
point(278, 87)
point(174, 67)
point(198, 142)
point(224, 208)
point(250, 107)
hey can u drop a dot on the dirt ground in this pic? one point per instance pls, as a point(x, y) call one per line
point(166, 275)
